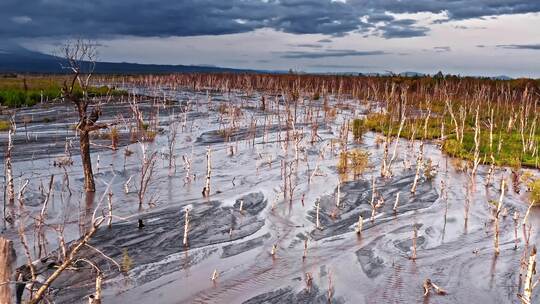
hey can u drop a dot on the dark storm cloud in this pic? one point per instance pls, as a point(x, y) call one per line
point(380, 18)
point(164, 18)
point(329, 53)
point(535, 47)
point(456, 9)
point(402, 29)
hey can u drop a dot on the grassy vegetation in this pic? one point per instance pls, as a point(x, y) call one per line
point(18, 91)
point(4, 125)
point(534, 185)
point(358, 128)
point(510, 154)
point(384, 124)
point(352, 162)
point(511, 145)
point(508, 107)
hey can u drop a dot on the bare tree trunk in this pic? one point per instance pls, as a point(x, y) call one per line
point(6, 258)
point(529, 285)
point(186, 227)
point(206, 189)
point(497, 212)
point(317, 220)
point(96, 297)
point(89, 184)
point(415, 237)
point(419, 165)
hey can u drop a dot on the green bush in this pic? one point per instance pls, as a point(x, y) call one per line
point(359, 128)
point(12, 98)
point(18, 98)
point(4, 125)
point(452, 147)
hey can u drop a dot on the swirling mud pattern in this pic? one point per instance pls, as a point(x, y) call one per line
point(280, 222)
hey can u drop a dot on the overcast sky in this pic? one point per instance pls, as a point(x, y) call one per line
point(469, 37)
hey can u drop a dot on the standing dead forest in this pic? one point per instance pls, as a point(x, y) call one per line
point(267, 188)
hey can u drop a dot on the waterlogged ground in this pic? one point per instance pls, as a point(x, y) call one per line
point(246, 170)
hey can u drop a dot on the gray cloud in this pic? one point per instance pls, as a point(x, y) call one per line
point(535, 47)
point(329, 53)
point(464, 27)
point(165, 18)
point(307, 45)
point(442, 49)
point(341, 66)
point(403, 28)
point(380, 18)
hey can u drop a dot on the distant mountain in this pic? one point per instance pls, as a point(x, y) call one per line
point(411, 74)
point(16, 59)
point(502, 77)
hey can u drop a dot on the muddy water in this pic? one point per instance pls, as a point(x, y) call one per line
point(375, 267)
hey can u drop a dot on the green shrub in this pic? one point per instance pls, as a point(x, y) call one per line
point(359, 128)
point(12, 98)
point(452, 147)
point(4, 125)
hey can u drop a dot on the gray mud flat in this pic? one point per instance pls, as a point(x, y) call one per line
point(375, 267)
point(288, 296)
point(211, 223)
point(356, 198)
point(50, 126)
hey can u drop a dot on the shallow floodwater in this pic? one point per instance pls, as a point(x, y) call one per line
point(373, 268)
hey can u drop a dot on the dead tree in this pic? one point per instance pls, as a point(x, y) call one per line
point(8, 166)
point(338, 194)
point(147, 170)
point(206, 189)
point(171, 142)
point(359, 224)
point(9, 191)
point(96, 297)
point(317, 219)
point(304, 256)
point(110, 215)
point(529, 285)
point(215, 276)
point(477, 159)
point(428, 285)
point(388, 168)
point(419, 165)
point(396, 204)
point(6, 259)
point(414, 239)
point(68, 262)
point(186, 227)
point(497, 214)
point(80, 58)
